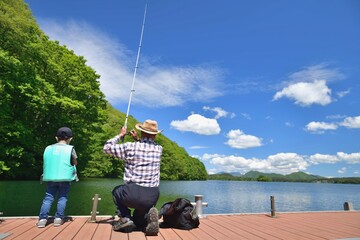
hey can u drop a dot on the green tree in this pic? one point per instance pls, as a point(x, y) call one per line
point(263, 178)
point(43, 86)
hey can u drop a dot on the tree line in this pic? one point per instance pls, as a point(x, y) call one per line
point(44, 86)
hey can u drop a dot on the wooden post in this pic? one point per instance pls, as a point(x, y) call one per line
point(94, 208)
point(348, 206)
point(272, 203)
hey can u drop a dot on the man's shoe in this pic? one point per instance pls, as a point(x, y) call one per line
point(124, 225)
point(41, 223)
point(152, 228)
point(58, 222)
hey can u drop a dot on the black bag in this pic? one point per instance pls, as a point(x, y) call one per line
point(179, 214)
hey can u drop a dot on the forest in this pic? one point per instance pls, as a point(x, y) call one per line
point(44, 86)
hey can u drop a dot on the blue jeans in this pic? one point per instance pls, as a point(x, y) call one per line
point(53, 188)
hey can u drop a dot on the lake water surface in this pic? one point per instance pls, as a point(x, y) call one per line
point(24, 198)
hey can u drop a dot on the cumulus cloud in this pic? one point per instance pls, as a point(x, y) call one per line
point(323, 158)
point(238, 139)
point(352, 158)
point(198, 124)
point(320, 127)
point(282, 163)
point(306, 93)
point(219, 112)
point(351, 122)
point(115, 64)
point(309, 86)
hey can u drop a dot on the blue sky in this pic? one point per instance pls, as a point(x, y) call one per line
point(271, 86)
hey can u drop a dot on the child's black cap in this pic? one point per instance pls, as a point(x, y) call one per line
point(64, 133)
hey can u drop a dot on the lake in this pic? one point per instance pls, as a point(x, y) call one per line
point(24, 198)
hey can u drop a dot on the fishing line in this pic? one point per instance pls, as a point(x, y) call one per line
point(136, 67)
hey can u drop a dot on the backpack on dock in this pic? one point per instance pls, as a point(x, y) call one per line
point(179, 214)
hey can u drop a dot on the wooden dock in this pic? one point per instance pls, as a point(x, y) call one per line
point(306, 225)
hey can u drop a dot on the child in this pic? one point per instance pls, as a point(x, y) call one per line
point(59, 170)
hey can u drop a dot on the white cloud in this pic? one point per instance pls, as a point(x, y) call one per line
point(323, 158)
point(342, 170)
point(198, 147)
point(315, 72)
point(306, 93)
point(342, 94)
point(282, 163)
point(197, 124)
point(219, 112)
point(352, 158)
point(351, 122)
point(319, 127)
point(115, 63)
point(309, 86)
point(238, 139)
point(246, 116)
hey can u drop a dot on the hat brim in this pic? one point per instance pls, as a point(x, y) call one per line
point(140, 127)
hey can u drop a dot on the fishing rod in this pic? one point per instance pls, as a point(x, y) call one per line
point(136, 67)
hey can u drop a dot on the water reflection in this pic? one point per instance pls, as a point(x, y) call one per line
point(23, 198)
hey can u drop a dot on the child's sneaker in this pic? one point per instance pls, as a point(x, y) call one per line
point(58, 222)
point(152, 228)
point(41, 223)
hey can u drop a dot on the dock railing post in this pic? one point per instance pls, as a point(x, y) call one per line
point(348, 206)
point(272, 203)
point(96, 200)
point(199, 204)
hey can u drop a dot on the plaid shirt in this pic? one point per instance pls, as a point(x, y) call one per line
point(142, 160)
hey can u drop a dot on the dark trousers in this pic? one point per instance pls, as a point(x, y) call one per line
point(137, 197)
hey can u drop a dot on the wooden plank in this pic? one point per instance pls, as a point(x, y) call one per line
point(230, 225)
point(119, 235)
point(158, 237)
point(72, 229)
point(316, 226)
point(256, 230)
point(268, 226)
point(103, 231)
point(87, 231)
point(137, 235)
point(317, 229)
point(11, 223)
point(169, 234)
point(21, 232)
point(284, 223)
point(186, 234)
point(214, 231)
point(201, 234)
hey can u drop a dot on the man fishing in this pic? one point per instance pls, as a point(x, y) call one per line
point(141, 176)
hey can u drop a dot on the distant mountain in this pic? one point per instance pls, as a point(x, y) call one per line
point(302, 176)
point(273, 177)
point(255, 175)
